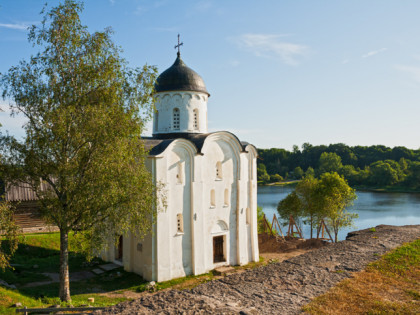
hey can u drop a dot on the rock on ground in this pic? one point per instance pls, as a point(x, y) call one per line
point(279, 288)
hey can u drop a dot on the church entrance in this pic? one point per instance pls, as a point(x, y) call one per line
point(218, 249)
point(119, 249)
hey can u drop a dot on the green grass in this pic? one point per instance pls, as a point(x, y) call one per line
point(42, 252)
point(185, 282)
point(399, 260)
point(390, 285)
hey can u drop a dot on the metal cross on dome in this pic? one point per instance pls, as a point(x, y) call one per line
point(179, 45)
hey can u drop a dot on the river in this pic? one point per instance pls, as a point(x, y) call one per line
point(373, 208)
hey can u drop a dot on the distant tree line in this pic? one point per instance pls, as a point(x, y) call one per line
point(370, 166)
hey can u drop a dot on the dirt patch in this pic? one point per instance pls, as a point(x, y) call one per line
point(278, 288)
point(277, 249)
point(276, 244)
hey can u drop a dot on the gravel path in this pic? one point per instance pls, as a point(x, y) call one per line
point(279, 288)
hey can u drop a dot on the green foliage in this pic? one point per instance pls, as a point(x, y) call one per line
point(291, 205)
point(260, 220)
point(316, 199)
point(351, 162)
point(8, 232)
point(43, 250)
point(306, 191)
point(262, 174)
point(385, 173)
point(298, 172)
point(276, 178)
point(329, 162)
point(334, 195)
point(86, 111)
point(310, 172)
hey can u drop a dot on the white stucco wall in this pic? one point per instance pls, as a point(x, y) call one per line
point(187, 103)
point(167, 253)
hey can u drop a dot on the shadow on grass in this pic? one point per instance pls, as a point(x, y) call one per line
point(30, 262)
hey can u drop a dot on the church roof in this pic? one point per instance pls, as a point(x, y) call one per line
point(179, 77)
point(159, 143)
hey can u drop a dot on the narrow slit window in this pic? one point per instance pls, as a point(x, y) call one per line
point(179, 223)
point(212, 198)
point(176, 119)
point(157, 121)
point(248, 216)
point(219, 170)
point(195, 119)
point(179, 173)
point(226, 200)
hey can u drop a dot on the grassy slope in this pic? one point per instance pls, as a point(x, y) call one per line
point(42, 251)
point(390, 285)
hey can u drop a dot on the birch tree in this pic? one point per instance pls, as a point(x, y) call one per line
point(86, 110)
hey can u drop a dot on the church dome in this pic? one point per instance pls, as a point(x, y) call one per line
point(179, 77)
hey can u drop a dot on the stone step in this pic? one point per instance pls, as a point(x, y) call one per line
point(224, 271)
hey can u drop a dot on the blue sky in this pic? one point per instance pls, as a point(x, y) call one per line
point(279, 72)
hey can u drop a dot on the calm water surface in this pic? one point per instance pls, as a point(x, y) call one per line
point(373, 208)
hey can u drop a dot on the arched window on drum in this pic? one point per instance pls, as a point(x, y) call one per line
point(195, 119)
point(176, 119)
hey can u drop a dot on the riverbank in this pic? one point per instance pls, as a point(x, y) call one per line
point(290, 183)
point(387, 189)
point(278, 287)
point(391, 189)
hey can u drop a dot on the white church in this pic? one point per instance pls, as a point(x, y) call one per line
point(210, 183)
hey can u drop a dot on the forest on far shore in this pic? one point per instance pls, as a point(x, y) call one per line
point(374, 166)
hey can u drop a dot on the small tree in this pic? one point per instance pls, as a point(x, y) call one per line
point(9, 232)
point(334, 195)
point(306, 192)
point(83, 136)
point(290, 206)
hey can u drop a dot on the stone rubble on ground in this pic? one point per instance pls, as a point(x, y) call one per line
point(278, 288)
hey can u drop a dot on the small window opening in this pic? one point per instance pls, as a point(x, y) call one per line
point(179, 173)
point(195, 119)
point(226, 200)
point(212, 198)
point(119, 249)
point(219, 170)
point(248, 216)
point(176, 119)
point(179, 223)
point(157, 121)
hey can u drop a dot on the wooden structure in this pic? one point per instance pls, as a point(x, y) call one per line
point(271, 228)
point(26, 208)
point(292, 226)
point(323, 228)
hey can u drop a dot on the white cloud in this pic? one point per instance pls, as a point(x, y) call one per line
point(413, 71)
point(345, 61)
point(270, 46)
point(374, 52)
point(16, 26)
point(112, 2)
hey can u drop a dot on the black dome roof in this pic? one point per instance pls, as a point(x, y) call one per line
point(179, 77)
